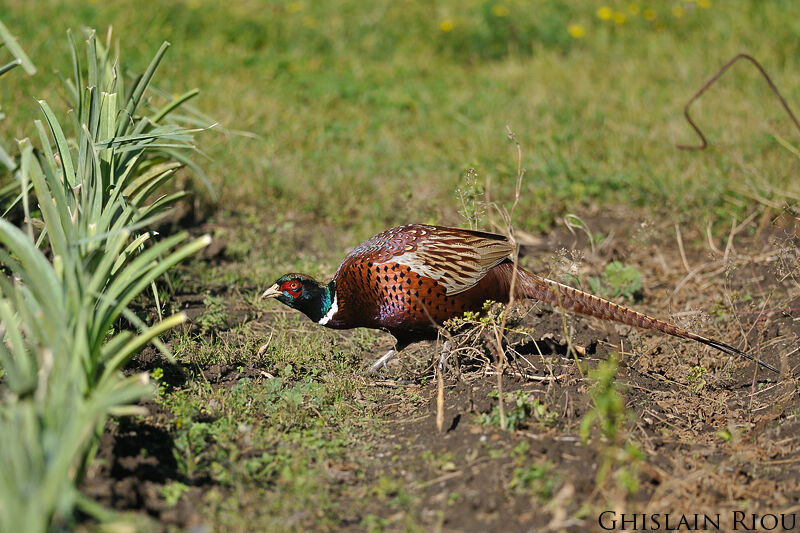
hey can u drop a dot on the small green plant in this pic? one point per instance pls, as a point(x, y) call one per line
point(618, 280)
point(472, 205)
point(597, 237)
point(537, 478)
point(443, 461)
point(214, 315)
point(490, 316)
point(494, 453)
point(720, 310)
point(619, 453)
point(608, 412)
point(172, 492)
point(157, 374)
point(194, 447)
point(697, 378)
point(373, 523)
point(389, 489)
point(627, 460)
point(524, 409)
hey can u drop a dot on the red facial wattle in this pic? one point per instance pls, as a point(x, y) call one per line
point(293, 287)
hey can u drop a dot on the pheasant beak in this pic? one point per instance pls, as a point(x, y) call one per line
point(272, 292)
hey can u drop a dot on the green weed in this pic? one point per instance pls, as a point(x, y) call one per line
point(608, 411)
point(618, 280)
point(157, 374)
point(213, 317)
point(537, 478)
point(523, 410)
point(173, 491)
point(471, 198)
point(724, 434)
point(444, 462)
point(619, 453)
point(697, 379)
point(374, 524)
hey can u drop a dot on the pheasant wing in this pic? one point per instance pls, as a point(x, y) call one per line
point(456, 258)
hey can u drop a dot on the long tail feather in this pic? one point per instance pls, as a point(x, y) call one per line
point(554, 293)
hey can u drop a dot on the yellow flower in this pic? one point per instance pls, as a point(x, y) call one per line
point(649, 14)
point(576, 31)
point(604, 13)
point(294, 7)
point(633, 8)
point(705, 4)
point(309, 22)
point(499, 10)
point(677, 11)
point(620, 18)
point(446, 25)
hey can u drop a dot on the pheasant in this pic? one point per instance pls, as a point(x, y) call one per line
point(408, 279)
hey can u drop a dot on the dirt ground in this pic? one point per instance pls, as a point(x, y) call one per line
point(724, 441)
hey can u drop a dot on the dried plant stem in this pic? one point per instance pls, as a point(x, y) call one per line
point(711, 240)
point(507, 218)
point(729, 244)
point(689, 276)
point(499, 372)
point(680, 247)
point(533, 377)
point(439, 397)
point(446, 348)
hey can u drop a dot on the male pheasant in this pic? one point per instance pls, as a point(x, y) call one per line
point(408, 279)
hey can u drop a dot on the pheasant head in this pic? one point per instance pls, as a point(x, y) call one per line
point(305, 294)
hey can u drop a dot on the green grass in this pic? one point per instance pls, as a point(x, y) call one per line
point(378, 99)
point(264, 442)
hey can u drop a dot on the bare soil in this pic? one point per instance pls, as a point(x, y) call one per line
point(731, 443)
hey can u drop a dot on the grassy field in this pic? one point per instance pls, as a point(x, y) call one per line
point(340, 119)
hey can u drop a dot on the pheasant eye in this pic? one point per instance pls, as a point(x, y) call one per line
point(293, 287)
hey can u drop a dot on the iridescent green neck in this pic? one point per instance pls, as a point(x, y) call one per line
point(316, 301)
point(328, 306)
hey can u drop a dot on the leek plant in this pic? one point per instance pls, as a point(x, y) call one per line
point(83, 253)
point(10, 188)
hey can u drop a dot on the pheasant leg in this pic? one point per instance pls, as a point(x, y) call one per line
point(381, 361)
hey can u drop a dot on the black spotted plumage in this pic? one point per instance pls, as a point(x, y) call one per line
point(409, 279)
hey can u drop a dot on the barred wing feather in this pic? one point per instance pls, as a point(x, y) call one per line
point(456, 258)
